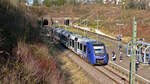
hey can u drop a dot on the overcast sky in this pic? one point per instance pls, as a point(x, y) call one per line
point(31, 1)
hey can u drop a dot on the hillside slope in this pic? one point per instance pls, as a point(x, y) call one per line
point(109, 15)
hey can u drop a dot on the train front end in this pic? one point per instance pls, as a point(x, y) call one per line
point(98, 54)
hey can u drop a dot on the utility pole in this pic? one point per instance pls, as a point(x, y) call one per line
point(85, 25)
point(80, 23)
point(84, 30)
point(133, 56)
point(97, 27)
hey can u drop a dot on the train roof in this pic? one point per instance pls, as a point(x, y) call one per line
point(74, 35)
point(85, 39)
point(79, 37)
point(93, 41)
point(66, 33)
point(96, 42)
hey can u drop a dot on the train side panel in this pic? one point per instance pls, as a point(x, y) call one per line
point(90, 53)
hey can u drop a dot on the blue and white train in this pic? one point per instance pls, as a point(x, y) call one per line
point(90, 49)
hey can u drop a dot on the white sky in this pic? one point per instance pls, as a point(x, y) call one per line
point(31, 1)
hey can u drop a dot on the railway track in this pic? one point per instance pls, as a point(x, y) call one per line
point(107, 73)
point(101, 73)
point(112, 75)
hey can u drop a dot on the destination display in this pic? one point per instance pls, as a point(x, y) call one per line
point(98, 47)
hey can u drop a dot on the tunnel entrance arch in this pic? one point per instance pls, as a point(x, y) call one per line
point(45, 22)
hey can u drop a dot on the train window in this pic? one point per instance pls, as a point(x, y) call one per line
point(65, 39)
point(99, 50)
point(76, 39)
point(80, 46)
point(72, 43)
point(84, 48)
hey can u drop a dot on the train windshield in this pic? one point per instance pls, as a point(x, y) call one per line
point(99, 50)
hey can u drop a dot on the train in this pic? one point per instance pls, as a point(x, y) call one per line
point(89, 49)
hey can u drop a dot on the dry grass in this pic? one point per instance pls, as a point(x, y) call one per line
point(39, 65)
point(22, 63)
point(30, 64)
point(111, 15)
point(77, 75)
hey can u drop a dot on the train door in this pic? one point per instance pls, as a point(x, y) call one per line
point(72, 45)
point(84, 51)
point(75, 45)
point(88, 53)
point(68, 41)
point(78, 48)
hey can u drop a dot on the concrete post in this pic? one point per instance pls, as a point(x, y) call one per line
point(133, 56)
